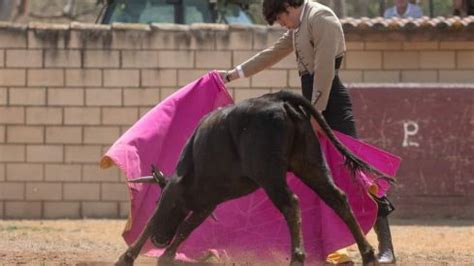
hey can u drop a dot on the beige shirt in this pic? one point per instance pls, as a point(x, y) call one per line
point(317, 42)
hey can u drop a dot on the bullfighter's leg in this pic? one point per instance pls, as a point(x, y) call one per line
point(184, 230)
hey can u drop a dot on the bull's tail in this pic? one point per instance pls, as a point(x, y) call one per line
point(353, 162)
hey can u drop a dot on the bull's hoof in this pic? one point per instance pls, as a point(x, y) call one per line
point(386, 257)
point(125, 260)
point(297, 258)
point(165, 260)
point(159, 243)
point(369, 259)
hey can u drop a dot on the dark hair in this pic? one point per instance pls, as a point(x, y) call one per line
point(271, 8)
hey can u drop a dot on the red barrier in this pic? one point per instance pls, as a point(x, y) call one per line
point(431, 128)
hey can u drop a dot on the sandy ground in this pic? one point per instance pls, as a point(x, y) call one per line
point(98, 242)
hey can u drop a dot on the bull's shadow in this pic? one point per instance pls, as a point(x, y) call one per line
point(236, 150)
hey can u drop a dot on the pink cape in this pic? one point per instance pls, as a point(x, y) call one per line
point(249, 227)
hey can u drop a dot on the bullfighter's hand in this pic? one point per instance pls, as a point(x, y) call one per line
point(228, 76)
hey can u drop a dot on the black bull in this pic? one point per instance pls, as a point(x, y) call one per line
point(237, 149)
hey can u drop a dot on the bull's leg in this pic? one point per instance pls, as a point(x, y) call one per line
point(184, 230)
point(132, 252)
point(288, 204)
point(316, 176)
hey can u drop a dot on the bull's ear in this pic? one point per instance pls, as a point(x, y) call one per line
point(145, 179)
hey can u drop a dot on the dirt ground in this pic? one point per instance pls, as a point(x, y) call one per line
point(98, 242)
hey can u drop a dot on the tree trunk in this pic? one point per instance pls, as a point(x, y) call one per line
point(340, 8)
point(361, 8)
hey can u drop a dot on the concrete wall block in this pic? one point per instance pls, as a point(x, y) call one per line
point(456, 45)
point(270, 78)
point(23, 210)
point(62, 172)
point(101, 59)
point(101, 135)
point(355, 46)
point(437, 60)
point(114, 192)
point(44, 115)
point(12, 77)
point(119, 116)
point(43, 191)
point(13, 38)
point(159, 77)
point(3, 134)
point(104, 97)
point(62, 210)
point(187, 76)
point(363, 60)
point(25, 134)
point(24, 58)
point(383, 45)
point(121, 78)
point(44, 153)
point(176, 59)
point(93, 173)
point(465, 59)
point(139, 59)
point(82, 116)
point(63, 135)
point(3, 96)
point(238, 57)
point(401, 60)
point(181, 40)
point(424, 76)
point(12, 191)
point(83, 77)
point(41, 37)
point(46, 77)
point(65, 97)
point(12, 115)
point(3, 172)
point(213, 59)
point(381, 76)
point(141, 97)
point(350, 76)
point(166, 92)
point(456, 76)
point(81, 191)
point(234, 40)
point(124, 209)
point(97, 209)
point(83, 154)
point(27, 96)
point(294, 79)
point(424, 46)
point(242, 94)
point(62, 58)
point(25, 172)
point(12, 153)
point(264, 37)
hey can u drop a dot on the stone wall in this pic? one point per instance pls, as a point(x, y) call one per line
point(68, 91)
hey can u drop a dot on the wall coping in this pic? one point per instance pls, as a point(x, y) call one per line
point(360, 29)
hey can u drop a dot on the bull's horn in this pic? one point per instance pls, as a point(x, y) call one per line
point(158, 176)
point(145, 179)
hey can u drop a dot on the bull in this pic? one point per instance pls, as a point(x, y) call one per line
point(234, 151)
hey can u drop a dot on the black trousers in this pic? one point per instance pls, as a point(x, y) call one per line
point(339, 116)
